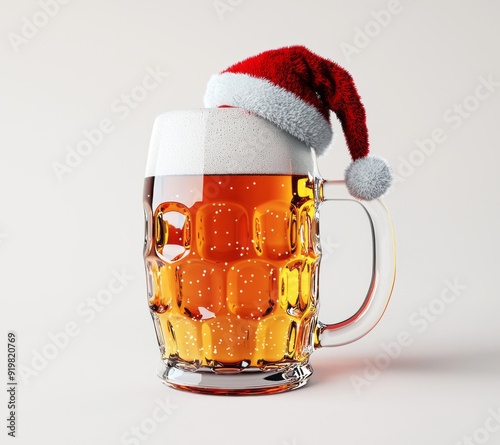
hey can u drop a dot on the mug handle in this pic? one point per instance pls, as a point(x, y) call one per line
point(383, 271)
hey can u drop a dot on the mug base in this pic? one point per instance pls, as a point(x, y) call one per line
point(247, 382)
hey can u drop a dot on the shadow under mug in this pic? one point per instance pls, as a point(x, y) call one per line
point(232, 254)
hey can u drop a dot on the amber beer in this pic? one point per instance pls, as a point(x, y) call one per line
point(232, 275)
point(232, 254)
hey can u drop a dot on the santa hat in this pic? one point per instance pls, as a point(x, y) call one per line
point(296, 89)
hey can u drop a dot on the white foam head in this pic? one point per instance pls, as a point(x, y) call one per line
point(223, 141)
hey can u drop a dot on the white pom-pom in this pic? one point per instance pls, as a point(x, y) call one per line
point(368, 178)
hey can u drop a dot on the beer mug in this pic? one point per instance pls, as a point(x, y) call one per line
point(232, 254)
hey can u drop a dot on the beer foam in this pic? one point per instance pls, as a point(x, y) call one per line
point(223, 141)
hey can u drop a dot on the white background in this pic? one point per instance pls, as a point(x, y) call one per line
point(61, 239)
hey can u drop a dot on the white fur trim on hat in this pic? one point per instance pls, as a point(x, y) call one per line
point(273, 103)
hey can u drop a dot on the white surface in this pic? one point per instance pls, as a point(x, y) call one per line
point(62, 241)
point(221, 141)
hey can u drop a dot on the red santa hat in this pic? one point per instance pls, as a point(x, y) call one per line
point(296, 89)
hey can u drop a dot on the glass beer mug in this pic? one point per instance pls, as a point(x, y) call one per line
point(232, 254)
